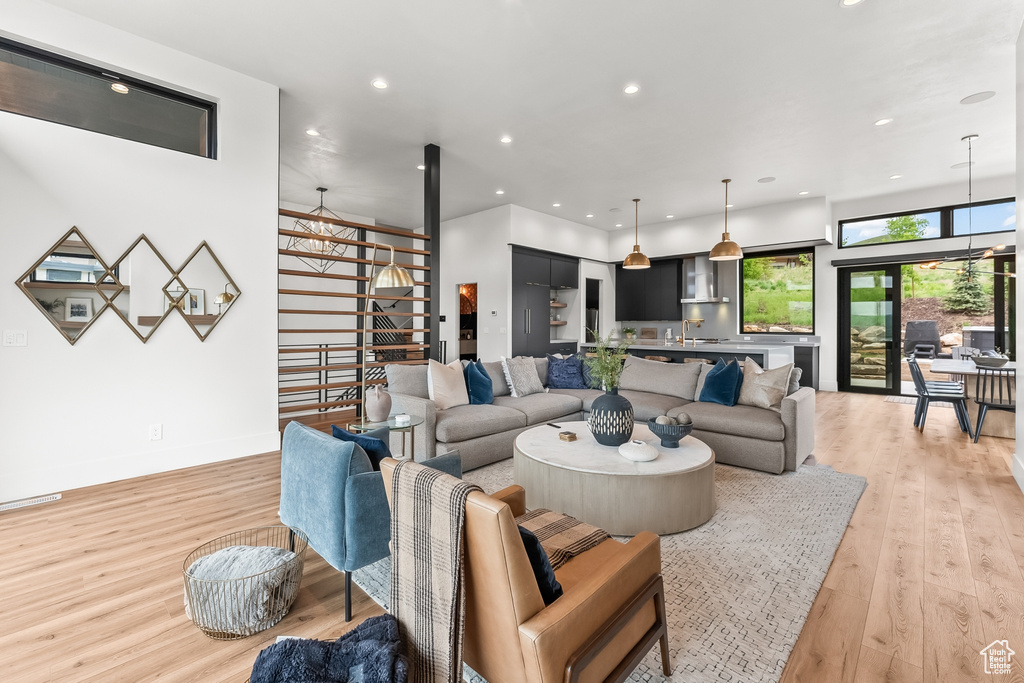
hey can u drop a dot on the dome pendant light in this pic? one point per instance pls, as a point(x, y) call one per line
point(726, 250)
point(636, 260)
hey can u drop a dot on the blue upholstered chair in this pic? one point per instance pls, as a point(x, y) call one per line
point(330, 491)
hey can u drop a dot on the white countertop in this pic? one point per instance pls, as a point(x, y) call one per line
point(774, 355)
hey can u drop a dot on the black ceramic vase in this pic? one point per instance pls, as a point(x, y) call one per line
point(611, 419)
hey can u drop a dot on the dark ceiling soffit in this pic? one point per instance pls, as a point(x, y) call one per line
point(956, 254)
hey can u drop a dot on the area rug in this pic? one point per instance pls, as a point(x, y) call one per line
point(910, 400)
point(738, 588)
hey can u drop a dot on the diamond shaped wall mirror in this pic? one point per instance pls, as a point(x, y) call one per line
point(71, 285)
point(142, 303)
point(202, 292)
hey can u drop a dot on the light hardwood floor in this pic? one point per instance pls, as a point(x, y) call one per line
point(929, 571)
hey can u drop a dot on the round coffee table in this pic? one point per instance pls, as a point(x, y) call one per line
point(582, 478)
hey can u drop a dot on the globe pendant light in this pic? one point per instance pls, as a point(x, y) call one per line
point(635, 260)
point(726, 250)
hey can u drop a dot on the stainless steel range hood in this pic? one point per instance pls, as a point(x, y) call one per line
point(700, 281)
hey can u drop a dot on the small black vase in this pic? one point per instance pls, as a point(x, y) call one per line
point(611, 419)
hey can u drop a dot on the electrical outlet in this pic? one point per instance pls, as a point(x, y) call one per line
point(746, 339)
point(487, 330)
point(15, 338)
point(803, 339)
point(156, 432)
point(502, 330)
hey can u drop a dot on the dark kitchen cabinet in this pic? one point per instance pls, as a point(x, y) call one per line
point(531, 269)
point(531, 320)
point(649, 294)
point(565, 274)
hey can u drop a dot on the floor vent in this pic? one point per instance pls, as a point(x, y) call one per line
point(14, 505)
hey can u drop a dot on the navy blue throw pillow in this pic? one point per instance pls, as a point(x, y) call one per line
point(588, 381)
point(565, 373)
point(375, 443)
point(550, 589)
point(478, 384)
point(722, 385)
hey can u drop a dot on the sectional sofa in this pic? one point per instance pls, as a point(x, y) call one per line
point(741, 435)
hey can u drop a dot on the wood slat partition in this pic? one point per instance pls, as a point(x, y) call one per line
point(321, 370)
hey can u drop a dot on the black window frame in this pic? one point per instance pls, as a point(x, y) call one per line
point(945, 222)
point(132, 82)
point(771, 253)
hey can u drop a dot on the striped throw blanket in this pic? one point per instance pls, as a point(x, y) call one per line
point(562, 537)
point(427, 583)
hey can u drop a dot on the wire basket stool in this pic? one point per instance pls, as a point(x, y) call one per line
point(231, 607)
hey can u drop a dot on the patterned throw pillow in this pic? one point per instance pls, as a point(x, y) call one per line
point(521, 375)
point(565, 373)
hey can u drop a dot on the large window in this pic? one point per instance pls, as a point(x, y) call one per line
point(53, 88)
point(948, 221)
point(778, 292)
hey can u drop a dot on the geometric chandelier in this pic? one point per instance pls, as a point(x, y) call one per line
point(319, 247)
point(973, 258)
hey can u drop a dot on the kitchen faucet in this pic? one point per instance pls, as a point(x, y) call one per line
point(686, 326)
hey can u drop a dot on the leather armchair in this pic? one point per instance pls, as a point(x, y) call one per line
point(330, 491)
point(611, 613)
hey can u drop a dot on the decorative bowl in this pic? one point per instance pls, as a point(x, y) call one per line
point(989, 362)
point(669, 434)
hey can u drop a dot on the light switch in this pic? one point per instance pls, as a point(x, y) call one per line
point(503, 330)
point(15, 338)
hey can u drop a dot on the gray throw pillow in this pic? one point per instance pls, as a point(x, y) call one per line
point(670, 379)
point(496, 372)
point(705, 368)
point(794, 380)
point(764, 388)
point(410, 380)
point(521, 375)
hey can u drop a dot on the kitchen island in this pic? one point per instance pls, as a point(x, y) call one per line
point(768, 356)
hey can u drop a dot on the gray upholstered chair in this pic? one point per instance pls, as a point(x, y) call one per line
point(331, 492)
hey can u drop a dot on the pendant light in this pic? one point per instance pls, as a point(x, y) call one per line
point(726, 250)
point(635, 260)
point(973, 258)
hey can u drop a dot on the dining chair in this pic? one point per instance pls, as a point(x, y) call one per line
point(995, 388)
point(952, 392)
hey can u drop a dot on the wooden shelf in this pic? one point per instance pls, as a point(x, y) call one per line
point(558, 304)
point(556, 323)
point(72, 324)
point(77, 286)
point(150, 320)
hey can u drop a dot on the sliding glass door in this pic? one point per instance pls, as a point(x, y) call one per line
point(869, 329)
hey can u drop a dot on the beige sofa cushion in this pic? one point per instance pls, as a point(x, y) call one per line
point(446, 385)
point(544, 407)
point(764, 388)
point(647, 405)
point(672, 379)
point(748, 421)
point(410, 380)
point(469, 422)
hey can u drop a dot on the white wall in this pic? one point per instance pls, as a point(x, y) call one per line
point(76, 416)
point(826, 280)
point(475, 248)
point(539, 230)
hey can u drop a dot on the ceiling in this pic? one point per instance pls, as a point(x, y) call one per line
point(742, 89)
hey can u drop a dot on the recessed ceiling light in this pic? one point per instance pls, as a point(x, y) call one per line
point(766, 179)
point(849, 3)
point(556, 205)
point(499, 192)
point(895, 176)
point(631, 89)
point(119, 88)
point(379, 83)
point(803, 193)
point(670, 216)
point(978, 97)
point(618, 225)
point(312, 132)
point(506, 139)
point(421, 167)
point(962, 164)
point(590, 215)
point(883, 122)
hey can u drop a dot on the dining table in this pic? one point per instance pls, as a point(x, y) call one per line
point(998, 423)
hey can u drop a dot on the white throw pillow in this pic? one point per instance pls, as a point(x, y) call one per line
point(764, 388)
point(521, 375)
point(446, 385)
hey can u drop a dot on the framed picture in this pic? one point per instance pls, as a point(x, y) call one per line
point(192, 303)
point(78, 310)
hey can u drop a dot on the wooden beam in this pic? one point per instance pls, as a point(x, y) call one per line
point(346, 259)
point(342, 240)
point(349, 224)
